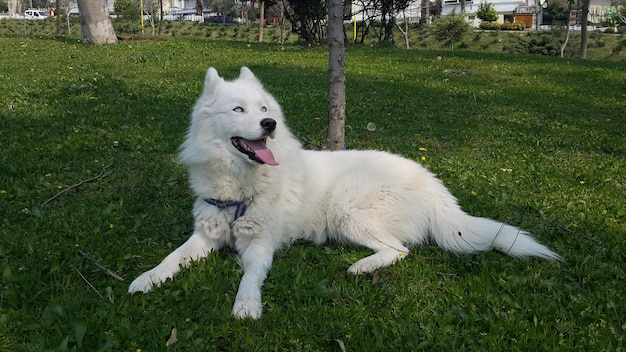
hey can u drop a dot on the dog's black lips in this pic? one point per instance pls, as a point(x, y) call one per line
point(242, 147)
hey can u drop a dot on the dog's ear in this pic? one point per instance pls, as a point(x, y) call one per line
point(246, 74)
point(211, 80)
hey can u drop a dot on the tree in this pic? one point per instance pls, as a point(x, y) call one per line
point(567, 32)
point(223, 7)
point(450, 29)
point(95, 25)
point(307, 18)
point(382, 14)
point(583, 28)
point(261, 20)
point(486, 12)
point(337, 76)
point(405, 30)
point(153, 9)
point(127, 9)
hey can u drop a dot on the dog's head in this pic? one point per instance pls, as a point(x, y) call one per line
point(238, 116)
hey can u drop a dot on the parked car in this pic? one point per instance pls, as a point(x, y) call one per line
point(35, 14)
point(221, 19)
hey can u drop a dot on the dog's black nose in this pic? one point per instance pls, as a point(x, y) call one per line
point(268, 124)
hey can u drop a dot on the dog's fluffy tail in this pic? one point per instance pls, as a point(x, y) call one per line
point(461, 233)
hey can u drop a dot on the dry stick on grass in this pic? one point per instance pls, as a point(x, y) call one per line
point(100, 175)
point(100, 266)
point(89, 283)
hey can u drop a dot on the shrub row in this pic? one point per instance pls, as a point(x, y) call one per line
point(611, 30)
point(507, 26)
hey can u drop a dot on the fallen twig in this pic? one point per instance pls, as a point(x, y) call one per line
point(89, 283)
point(100, 175)
point(100, 266)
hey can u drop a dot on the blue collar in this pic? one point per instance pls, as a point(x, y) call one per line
point(223, 204)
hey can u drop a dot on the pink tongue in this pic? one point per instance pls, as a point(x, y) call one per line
point(261, 151)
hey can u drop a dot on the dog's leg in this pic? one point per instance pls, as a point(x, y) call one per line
point(208, 236)
point(256, 259)
point(386, 254)
point(364, 230)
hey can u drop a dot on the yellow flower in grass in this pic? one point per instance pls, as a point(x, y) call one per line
point(422, 149)
point(3, 191)
point(474, 193)
point(111, 226)
point(423, 158)
point(581, 182)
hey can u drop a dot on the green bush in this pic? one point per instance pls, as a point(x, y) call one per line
point(486, 12)
point(513, 26)
point(450, 29)
point(542, 43)
point(489, 26)
point(127, 9)
point(125, 26)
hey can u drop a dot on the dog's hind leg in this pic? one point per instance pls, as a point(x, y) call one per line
point(364, 231)
point(386, 253)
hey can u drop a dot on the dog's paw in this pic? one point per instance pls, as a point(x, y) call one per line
point(247, 307)
point(143, 283)
point(361, 268)
point(376, 261)
point(245, 228)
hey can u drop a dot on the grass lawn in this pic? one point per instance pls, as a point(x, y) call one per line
point(537, 142)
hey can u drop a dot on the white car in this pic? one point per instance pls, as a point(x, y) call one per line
point(35, 15)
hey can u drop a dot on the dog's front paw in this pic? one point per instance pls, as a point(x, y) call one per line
point(247, 307)
point(245, 228)
point(143, 283)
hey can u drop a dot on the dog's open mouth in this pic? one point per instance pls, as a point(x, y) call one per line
point(255, 150)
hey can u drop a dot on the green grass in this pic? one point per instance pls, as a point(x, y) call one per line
point(534, 141)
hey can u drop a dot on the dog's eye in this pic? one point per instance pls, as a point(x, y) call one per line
point(238, 109)
point(263, 109)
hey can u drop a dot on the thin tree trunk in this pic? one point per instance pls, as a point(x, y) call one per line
point(57, 13)
point(404, 31)
point(160, 15)
point(95, 25)
point(261, 20)
point(583, 29)
point(564, 45)
point(337, 76)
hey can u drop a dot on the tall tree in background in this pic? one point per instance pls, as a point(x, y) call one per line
point(583, 29)
point(337, 76)
point(95, 25)
point(261, 20)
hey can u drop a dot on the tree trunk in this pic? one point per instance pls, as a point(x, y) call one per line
point(57, 13)
point(95, 25)
point(337, 76)
point(566, 40)
point(583, 29)
point(404, 31)
point(160, 15)
point(261, 19)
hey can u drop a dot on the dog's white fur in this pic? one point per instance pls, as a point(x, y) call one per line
point(368, 198)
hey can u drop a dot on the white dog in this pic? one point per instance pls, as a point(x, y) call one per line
point(258, 190)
